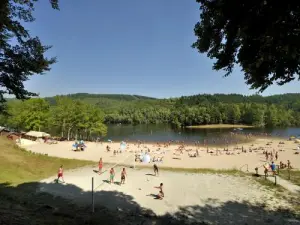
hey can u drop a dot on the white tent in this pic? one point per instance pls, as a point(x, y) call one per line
point(37, 134)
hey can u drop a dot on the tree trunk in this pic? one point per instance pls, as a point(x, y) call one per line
point(63, 128)
point(69, 131)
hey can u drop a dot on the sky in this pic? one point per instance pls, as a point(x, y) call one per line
point(129, 47)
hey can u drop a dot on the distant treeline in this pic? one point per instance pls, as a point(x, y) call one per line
point(271, 111)
point(86, 114)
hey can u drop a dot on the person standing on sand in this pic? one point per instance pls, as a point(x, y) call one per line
point(100, 166)
point(60, 174)
point(155, 168)
point(123, 176)
point(273, 168)
point(112, 175)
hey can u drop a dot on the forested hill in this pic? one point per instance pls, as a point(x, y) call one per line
point(237, 98)
point(72, 110)
point(94, 98)
point(201, 99)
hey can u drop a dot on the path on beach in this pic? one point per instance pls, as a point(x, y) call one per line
point(285, 184)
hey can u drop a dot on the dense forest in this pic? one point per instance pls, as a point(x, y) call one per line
point(85, 114)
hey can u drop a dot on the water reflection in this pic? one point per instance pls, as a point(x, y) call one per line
point(159, 133)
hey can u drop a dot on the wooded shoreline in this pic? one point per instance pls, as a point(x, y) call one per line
point(86, 115)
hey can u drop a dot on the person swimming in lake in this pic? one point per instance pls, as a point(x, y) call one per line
point(161, 193)
point(123, 176)
point(111, 175)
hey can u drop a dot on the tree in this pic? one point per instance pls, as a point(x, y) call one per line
point(260, 36)
point(21, 55)
point(77, 118)
point(29, 115)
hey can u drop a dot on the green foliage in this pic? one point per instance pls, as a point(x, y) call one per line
point(271, 111)
point(70, 118)
point(30, 115)
point(77, 117)
point(260, 36)
point(21, 55)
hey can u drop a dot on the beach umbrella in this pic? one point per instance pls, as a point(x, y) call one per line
point(146, 158)
point(123, 146)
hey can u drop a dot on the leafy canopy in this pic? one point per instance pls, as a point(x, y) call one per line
point(260, 36)
point(21, 55)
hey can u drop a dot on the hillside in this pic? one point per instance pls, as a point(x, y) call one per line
point(113, 102)
point(94, 98)
point(203, 109)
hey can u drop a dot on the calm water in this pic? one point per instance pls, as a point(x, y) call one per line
point(158, 133)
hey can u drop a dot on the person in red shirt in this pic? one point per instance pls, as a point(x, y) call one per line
point(60, 174)
point(100, 166)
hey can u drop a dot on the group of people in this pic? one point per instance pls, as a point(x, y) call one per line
point(124, 176)
point(274, 168)
point(112, 173)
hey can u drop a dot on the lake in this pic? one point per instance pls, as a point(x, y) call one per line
point(160, 133)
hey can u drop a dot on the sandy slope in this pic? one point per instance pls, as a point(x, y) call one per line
point(219, 199)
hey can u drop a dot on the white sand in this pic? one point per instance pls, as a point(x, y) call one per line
point(217, 199)
point(25, 142)
point(173, 158)
point(193, 191)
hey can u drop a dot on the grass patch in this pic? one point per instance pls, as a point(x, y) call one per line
point(269, 184)
point(294, 176)
point(219, 126)
point(20, 166)
point(195, 170)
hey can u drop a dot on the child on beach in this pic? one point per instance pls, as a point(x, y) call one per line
point(161, 194)
point(112, 175)
point(155, 168)
point(123, 176)
point(100, 166)
point(60, 174)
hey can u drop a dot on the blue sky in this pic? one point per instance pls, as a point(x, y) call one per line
point(128, 47)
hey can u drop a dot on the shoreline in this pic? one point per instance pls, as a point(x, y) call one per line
point(219, 126)
point(243, 140)
point(176, 156)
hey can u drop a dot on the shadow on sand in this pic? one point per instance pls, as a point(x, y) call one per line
point(25, 204)
point(150, 174)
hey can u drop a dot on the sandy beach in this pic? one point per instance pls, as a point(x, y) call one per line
point(173, 157)
point(199, 197)
point(215, 199)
